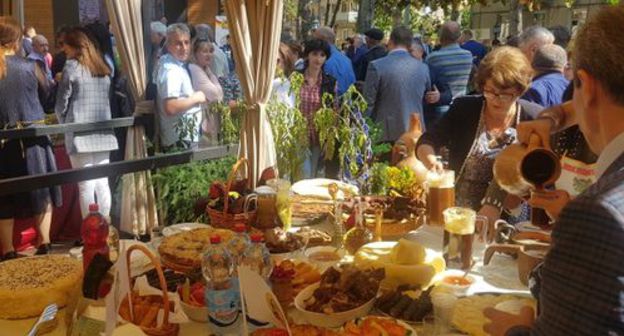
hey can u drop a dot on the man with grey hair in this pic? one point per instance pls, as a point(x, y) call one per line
point(549, 84)
point(158, 34)
point(178, 103)
point(219, 65)
point(40, 48)
point(450, 68)
point(337, 65)
point(533, 38)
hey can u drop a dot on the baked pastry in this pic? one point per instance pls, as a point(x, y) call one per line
point(186, 248)
point(28, 285)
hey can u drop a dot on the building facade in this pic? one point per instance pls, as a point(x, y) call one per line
point(492, 21)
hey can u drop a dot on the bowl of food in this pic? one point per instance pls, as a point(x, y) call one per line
point(324, 256)
point(192, 302)
point(456, 281)
point(328, 320)
point(343, 294)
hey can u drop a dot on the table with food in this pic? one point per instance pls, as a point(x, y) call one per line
point(317, 257)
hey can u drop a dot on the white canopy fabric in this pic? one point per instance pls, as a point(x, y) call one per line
point(138, 209)
point(255, 27)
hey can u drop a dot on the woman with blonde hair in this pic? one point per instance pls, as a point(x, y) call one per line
point(204, 80)
point(476, 128)
point(82, 97)
point(20, 108)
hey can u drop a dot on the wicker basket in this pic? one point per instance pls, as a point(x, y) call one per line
point(225, 220)
point(127, 310)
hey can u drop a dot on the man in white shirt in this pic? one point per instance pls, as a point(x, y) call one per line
point(579, 286)
point(179, 109)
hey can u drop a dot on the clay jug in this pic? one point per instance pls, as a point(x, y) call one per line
point(404, 149)
point(520, 168)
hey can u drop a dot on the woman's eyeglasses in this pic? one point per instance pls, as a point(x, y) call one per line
point(503, 97)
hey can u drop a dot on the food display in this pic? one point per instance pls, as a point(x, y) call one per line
point(408, 303)
point(172, 278)
point(405, 262)
point(344, 288)
point(468, 312)
point(314, 237)
point(184, 250)
point(318, 189)
point(279, 241)
point(377, 326)
point(145, 310)
point(289, 278)
point(192, 294)
point(296, 330)
point(28, 285)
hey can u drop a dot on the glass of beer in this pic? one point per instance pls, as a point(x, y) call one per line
point(441, 195)
point(459, 233)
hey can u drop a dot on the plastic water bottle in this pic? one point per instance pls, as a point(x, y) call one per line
point(94, 232)
point(238, 245)
point(222, 296)
point(257, 257)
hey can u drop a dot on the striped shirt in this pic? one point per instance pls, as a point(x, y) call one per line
point(451, 65)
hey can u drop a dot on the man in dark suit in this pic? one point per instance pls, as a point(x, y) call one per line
point(581, 283)
point(375, 51)
point(395, 86)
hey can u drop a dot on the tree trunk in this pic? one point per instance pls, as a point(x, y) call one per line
point(515, 17)
point(365, 15)
point(327, 10)
point(333, 20)
point(397, 17)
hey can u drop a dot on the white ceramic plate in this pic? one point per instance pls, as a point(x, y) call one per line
point(177, 228)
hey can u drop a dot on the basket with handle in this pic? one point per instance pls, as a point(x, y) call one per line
point(128, 311)
point(223, 219)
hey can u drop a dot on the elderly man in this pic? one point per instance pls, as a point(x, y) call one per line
point(337, 65)
point(532, 39)
point(158, 34)
point(376, 50)
point(357, 50)
point(477, 49)
point(219, 66)
point(395, 86)
point(40, 48)
point(176, 98)
point(549, 84)
point(580, 288)
point(450, 71)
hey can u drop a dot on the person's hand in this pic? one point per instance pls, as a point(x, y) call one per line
point(501, 321)
point(199, 97)
point(540, 127)
point(492, 214)
point(58, 77)
point(433, 96)
point(553, 201)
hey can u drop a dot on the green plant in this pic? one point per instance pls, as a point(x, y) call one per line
point(179, 188)
point(187, 128)
point(375, 132)
point(230, 122)
point(343, 130)
point(290, 132)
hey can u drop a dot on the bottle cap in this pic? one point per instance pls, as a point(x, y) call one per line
point(93, 207)
point(215, 239)
point(256, 238)
point(240, 228)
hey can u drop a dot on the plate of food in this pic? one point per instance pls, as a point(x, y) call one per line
point(343, 294)
point(296, 330)
point(290, 277)
point(377, 326)
point(468, 312)
point(182, 227)
point(406, 302)
point(183, 251)
point(283, 243)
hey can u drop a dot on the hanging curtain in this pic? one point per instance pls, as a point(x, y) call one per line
point(138, 208)
point(255, 26)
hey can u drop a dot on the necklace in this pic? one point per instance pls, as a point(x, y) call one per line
point(481, 128)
